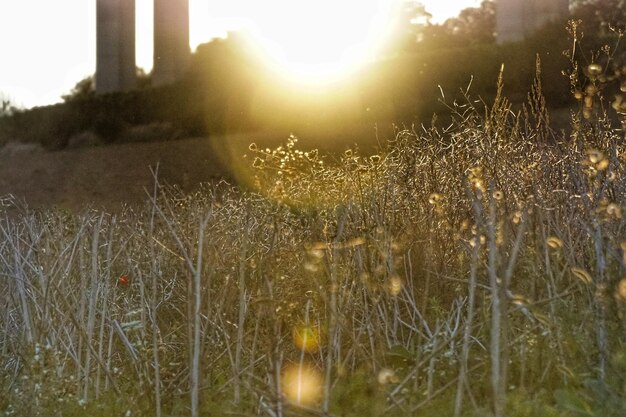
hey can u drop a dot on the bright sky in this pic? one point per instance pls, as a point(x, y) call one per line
point(46, 46)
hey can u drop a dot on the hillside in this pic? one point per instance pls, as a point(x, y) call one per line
point(112, 175)
point(104, 176)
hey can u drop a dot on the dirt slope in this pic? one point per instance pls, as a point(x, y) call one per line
point(109, 176)
point(105, 176)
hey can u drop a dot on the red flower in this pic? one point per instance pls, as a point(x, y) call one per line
point(123, 280)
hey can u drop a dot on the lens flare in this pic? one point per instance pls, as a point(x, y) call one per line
point(306, 338)
point(302, 384)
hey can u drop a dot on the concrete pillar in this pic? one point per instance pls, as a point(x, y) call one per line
point(510, 20)
point(171, 41)
point(549, 11)
point(516, 19)
point(115, 46)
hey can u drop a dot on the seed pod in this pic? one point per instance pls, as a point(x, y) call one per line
point(594, 69)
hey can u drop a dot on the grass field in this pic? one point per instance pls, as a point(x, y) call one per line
point(471, 269)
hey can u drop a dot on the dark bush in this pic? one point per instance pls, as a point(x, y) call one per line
point(228, 89)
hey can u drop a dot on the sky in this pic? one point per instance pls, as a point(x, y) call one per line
point(47, 46)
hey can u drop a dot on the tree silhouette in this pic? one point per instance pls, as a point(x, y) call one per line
point(7, 107)
point(600, 14)
point(414, 30)
point(85, 88)
point(410, 21)
point(474, 24)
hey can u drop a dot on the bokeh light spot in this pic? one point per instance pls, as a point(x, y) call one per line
point(306, 338)
point(387, 376)
point(302, 384)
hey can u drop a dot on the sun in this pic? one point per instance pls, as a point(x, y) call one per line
point(318, 40)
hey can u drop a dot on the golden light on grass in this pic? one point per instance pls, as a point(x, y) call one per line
point(307, 338)
point(596, 158)
point(519, 300)
point(594, 69)
point(387, 376)
point(614, 210)
point(317, 254)
point(554, 242)
point(311, 267)
point(582, 275)
point(595, 155)
point(475, 178)
point(435, 198)
point(395, 285)
point(302, 384)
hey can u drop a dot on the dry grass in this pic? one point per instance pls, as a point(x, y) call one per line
point(476, 269)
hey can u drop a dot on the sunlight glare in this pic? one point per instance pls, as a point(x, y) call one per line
point(442, 10)
point(318, 41)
